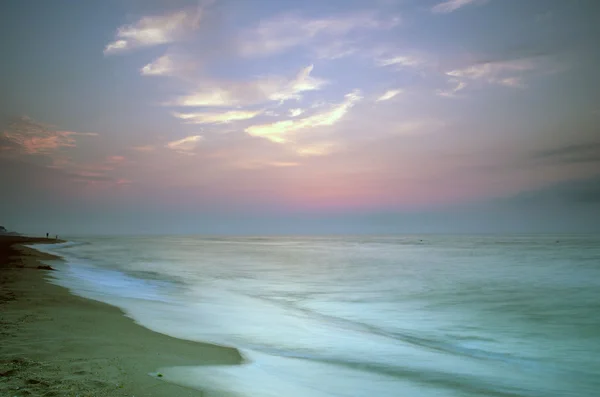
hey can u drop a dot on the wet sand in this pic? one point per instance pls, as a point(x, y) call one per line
point(53, 343)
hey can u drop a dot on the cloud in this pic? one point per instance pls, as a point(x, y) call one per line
point(506, 73)
point(316, 149)
point(60, 162)
point(453, 5)
point(186, 145)
point(451, 93)
point(334, 50)
point(572, 192)
point(212, 96)
point(8, 145)
point(284, 32)
point(116, 160)
point(38, 141)
point(280, 91)
point(259, 164)
point(575, 153)
point(388, 95)
point(171, 65)
point(216, 118)
point(283, 163)
point(154, 30)
point(28, 136)
point(163, 66)
point(101, 173)
point(296, 112)
point(260, 90)
point(91, 179)
point(401, 61)
point(90, 174)
point(279, 131)
point(144, 148)
point(515, 82)
point(110, 163)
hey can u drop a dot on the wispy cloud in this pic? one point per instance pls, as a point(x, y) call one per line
point(279, 131)
point(278, 90)
point(575, 193)
point(262, 89)
point(215, 117)
point(401, 61)
point(452, 93)
point(163, 66)
point(316, 149)
point(103, 172)
point(388, 95)
point(172, 64)
point(453, 5)
point(31, 137)
point(284, 32)
point(260, 164)
point(506, 73)
point(144, 148)
point(213, 96)
point(110, 163)
point(334, 50)
point(588, 152)
point(186, 145)
point(91, 179)
point(154, 30)
point(116, 160)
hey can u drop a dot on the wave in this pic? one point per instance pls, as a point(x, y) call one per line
point(94, 282)
point(470, 383)
point(407, 337)
point(56, 248)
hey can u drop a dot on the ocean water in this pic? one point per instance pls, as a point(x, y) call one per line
point(362, 316)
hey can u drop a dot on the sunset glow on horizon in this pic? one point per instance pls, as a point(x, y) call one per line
point(280, 108)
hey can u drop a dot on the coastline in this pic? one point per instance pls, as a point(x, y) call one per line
point(54, 343)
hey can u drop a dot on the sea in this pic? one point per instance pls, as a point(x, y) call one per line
point(376, 316)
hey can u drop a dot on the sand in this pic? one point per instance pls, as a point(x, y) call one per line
point(53, 343)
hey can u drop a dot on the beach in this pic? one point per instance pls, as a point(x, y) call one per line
point(53, 343)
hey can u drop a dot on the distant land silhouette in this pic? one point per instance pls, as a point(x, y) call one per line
point(5, 232)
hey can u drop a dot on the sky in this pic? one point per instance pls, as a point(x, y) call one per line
point(300, 117)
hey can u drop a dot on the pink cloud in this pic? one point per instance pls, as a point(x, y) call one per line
point(88, 174)
point(99, 173)
point(30, 137)
point(101, 184)
point(115, 160)
point(60, 162)
point(35, 144)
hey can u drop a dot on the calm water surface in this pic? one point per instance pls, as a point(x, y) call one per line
point(362, 316)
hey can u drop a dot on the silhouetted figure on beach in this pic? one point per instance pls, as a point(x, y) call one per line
point(47, 235)
point(56, 237)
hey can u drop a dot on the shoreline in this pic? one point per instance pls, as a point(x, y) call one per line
point(55, 343)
